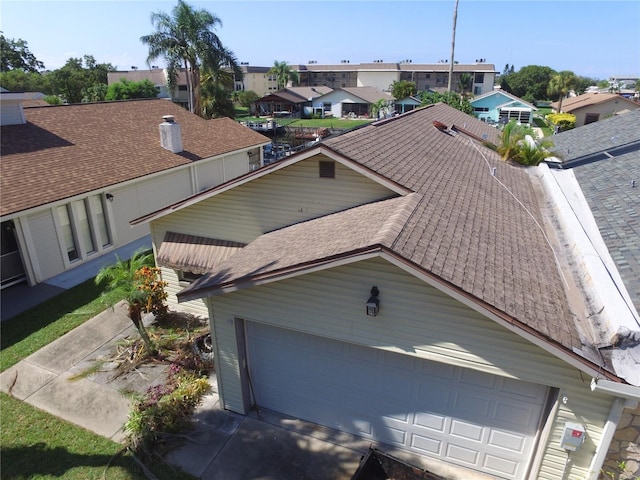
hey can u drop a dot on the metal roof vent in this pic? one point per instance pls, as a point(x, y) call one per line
point(170, 134)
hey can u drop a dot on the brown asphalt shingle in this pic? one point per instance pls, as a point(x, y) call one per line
point(475, 231)
point(69, 150)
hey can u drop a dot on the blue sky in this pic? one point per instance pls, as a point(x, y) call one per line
point(595, 39)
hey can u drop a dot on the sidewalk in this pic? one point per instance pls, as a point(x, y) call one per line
point(222, 445)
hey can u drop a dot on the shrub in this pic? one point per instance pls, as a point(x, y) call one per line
point(564, 121)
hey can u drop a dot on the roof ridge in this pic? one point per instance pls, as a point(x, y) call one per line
point(391, 228)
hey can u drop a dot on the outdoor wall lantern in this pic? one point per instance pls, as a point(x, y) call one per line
point(109, 197)
point(373, 304)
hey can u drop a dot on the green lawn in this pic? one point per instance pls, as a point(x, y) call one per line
point(37, 445)
point(29, 331)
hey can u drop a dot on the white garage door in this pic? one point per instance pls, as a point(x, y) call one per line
point(469, 418)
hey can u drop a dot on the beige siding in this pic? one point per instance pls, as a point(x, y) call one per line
point(380, 80)
point(604, 109)
point(246, 212)
point(415, 319)
point(197, 307)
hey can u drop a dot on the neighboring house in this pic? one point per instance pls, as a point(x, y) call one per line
point(257, 79)
point(402, 283)
point(381, 75)
point(591, 107)
point(73, 176)
point(599, 164)
point(289, 101)
point(498, 105)
point(352, 102)
point(157, 76)
point(407, 104)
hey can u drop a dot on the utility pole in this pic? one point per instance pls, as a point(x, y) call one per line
point(453, 47)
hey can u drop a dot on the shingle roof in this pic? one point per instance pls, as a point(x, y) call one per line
point(369, 94)
point(69, 150)
point(586, 99)
point(475, 231)
point(605, 159)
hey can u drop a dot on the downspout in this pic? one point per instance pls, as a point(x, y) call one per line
point(608, 432)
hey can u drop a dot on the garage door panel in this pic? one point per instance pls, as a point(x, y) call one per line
point(472, 418)
point(426, 445)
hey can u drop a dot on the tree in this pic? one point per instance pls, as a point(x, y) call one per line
point(247, 97)
point(378, 107)
point(21, 81)
point(452, 99)
point(403, 89)
point(582, 83)
point(137, 281)
point(465, 83)
point(517, 143)
point(508, 70)
point(126, 89)
point(216, 86)
point(186, 39)
point(76, 76)
point(529, 83)
point(15, 55)
point(560, 85)
point(284, 74)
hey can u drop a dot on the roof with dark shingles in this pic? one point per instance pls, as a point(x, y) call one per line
point(70, 150)
point(475, 231)
point(607, 185)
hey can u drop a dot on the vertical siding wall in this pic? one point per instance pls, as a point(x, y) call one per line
point(415, 319)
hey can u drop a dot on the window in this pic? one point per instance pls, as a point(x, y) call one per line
point(591, 118)
point(97, 212)
point(182, 88)
point(477, 90)
point(478, 78)
point(67, 232)
point(187, 277)
point(326, 106)
point(84, 227)
point(480, 109)
point(327, 169)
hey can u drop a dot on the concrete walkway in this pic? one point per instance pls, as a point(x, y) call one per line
point(222, 444)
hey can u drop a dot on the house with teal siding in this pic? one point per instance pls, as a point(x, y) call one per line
point(498, 105)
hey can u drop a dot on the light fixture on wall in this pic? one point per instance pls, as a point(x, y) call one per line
point(373, 304)
point(109, 197)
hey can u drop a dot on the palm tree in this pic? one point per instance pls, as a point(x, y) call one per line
point(284, 74)
point(517, 143)
point(217, 83)
point(377, 107)
point(453, 46)
point(512, 135)
point(560, 85)
point(465, 83)
point(186, 40)
point(123, 277)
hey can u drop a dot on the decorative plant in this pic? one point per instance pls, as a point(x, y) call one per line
point(164, 409)
point(140, 285)
point(564, 121)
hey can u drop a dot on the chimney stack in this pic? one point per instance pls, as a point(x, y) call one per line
point(170, 135)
